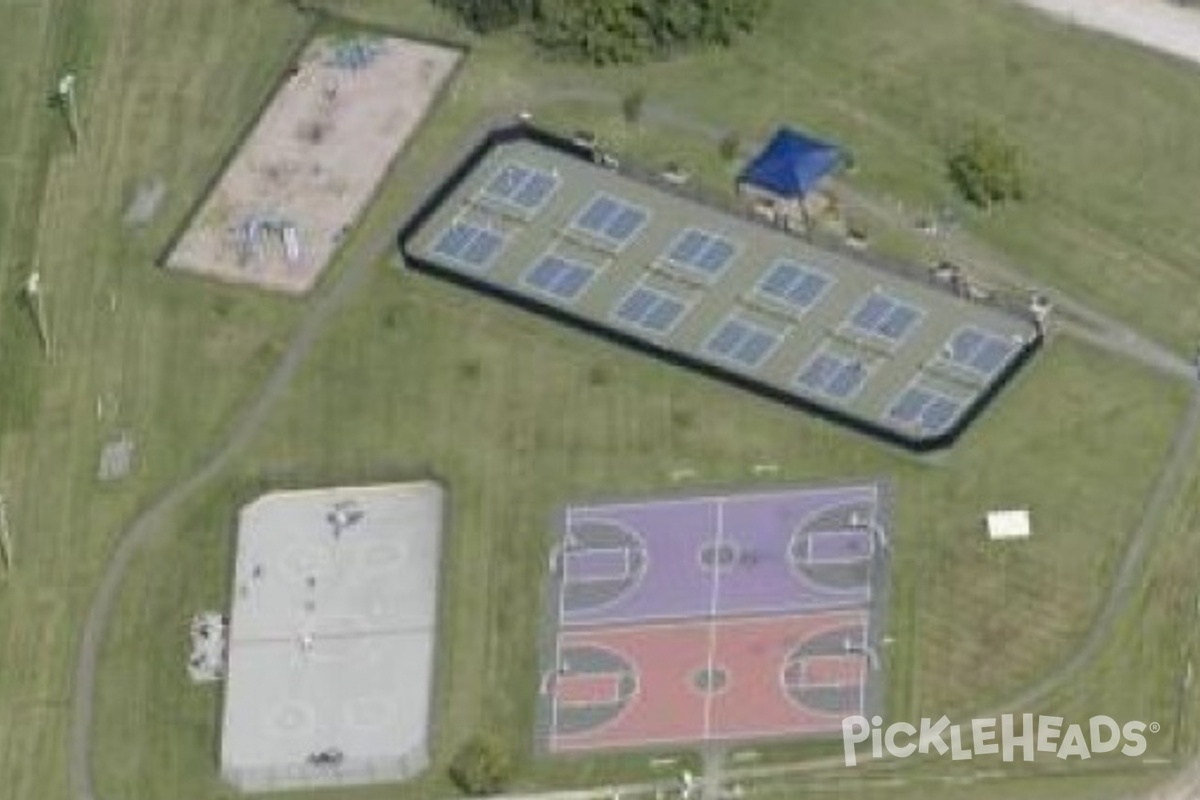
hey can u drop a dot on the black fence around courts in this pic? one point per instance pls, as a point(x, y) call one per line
point(522, 130)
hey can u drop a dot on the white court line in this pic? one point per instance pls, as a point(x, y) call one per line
point(636, 625)
point(846, 602)
point(799, 686)
point(846, 494)
point(634, 697)
point(562, 578)
point(919, 381)
point(847, 327)
point(736, 315)
point(821, 588)
point(557, 667)
point(964, 367)
point(546, 291)
point(781, 733)
point(627, 569)
point(614, 677)
point(552, 734)
point(525, 214)
point(638, 540)
point(714, 600)
point(868, 532)
point(693, 269)
point(830, 347)
point(458, 263)
point(862, 684)
point(804, 683)
point(797, 312)
point(825, 594)
point(575, 742)
point(786, 686)
point(581, 741)
point(614, 246)
point(688, 300)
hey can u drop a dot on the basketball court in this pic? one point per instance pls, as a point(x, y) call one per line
point(713, 618)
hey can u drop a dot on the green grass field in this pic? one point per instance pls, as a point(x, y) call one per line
point(519, 415)
point(26, 144)
point(533, 409)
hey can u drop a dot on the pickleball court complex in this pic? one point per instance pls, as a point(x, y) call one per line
point(716, 618)
point(534, 219)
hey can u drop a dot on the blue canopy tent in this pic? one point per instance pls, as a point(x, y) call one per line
point(791, 164)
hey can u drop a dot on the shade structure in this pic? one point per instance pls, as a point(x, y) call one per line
point(791, 164)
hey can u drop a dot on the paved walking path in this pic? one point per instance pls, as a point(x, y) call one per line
point(1156, 24)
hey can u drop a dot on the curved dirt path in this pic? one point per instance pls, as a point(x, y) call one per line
point(246, 425)
point(1165, 489)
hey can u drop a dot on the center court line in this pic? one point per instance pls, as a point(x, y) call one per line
point(714, 601)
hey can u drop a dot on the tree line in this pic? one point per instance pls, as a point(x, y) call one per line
point(615, 31)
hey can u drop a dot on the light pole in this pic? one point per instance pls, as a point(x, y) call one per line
point(5, 537)
point(66, 97)
point(33, 295)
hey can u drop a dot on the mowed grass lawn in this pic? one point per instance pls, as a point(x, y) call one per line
point(164, 87)
point(519, 415)
point(27, 139)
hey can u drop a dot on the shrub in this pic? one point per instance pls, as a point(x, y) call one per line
point(598, 375)
point(485, 16)
point(633, 104)
point(481, 767)
point(986, 167)
point(729, 146)
point(616, 31)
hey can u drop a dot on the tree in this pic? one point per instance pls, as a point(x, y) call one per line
point(729, 146)
point(485, 16)
point(481, 766)
point(615, 31)
point(986, 167)
point(599, 31)
point(633, 104)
